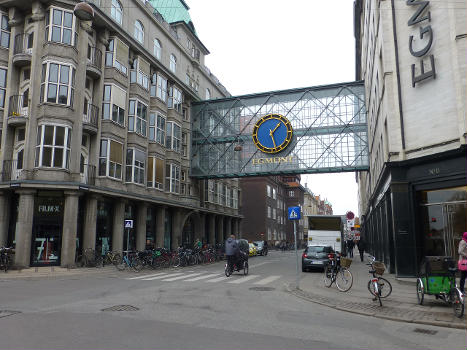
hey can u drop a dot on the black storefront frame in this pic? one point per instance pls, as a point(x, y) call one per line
point(48, 213)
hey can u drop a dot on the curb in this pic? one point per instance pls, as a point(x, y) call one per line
point(296, 292)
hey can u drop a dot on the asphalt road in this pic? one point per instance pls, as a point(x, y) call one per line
point(193, 308)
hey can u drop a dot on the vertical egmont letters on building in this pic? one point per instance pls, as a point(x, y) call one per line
point(421, 19)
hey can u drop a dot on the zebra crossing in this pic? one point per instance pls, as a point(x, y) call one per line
point(206, 277)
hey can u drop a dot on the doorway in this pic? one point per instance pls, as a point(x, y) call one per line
point(46, 244)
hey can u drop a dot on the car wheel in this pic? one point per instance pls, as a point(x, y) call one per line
point(304, 269)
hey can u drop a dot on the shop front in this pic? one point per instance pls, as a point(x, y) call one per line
point(47, 229)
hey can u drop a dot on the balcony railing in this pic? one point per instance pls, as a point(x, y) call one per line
point(23, 44)
point(10, 170)
point(95, 57)
point(91, 115)
point(18, 106)
point(88, 174)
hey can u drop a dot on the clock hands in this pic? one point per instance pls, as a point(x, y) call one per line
point(278, 124)
point(272, 137)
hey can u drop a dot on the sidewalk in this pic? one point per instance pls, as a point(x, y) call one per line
point(401, 305)
point(52, 271)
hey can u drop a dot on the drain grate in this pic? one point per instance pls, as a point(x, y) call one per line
point(5, 313)
point(425, 331)
point(121, 308)
point(262, 289)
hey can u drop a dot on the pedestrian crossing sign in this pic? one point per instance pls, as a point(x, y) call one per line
point(294, 213)
point(128, 223)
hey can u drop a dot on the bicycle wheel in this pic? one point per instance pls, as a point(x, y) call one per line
point(385, 288)
point(344, 279)
point(245, 267)
point(227, 270)
point(328, 276)
point(176, 261)
point(420, 291)
point(116, 259)
point(457, 302)
point(373, 287)
point(137, 265)
point(121, 266)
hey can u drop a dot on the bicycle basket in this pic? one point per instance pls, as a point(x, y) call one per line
point(346, 262)
point(379, 267)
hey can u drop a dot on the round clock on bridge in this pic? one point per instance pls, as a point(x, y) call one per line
point(272, 133)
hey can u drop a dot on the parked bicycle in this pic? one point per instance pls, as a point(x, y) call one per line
point(438, 278)
point(113, 258)
point(131, 260)
point(5, 258)
point(337, 270)
point(90, 258)
point(378, 286)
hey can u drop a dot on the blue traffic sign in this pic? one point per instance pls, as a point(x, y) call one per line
point(294, 213)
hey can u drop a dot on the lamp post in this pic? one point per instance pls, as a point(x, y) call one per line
point(84, 11)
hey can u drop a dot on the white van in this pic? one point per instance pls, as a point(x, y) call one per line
point(325, 238)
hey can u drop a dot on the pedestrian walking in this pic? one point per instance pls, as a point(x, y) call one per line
point(361, 247)
point(350, 246)
point(462, 258)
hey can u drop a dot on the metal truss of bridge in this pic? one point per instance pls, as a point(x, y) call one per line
point(329, 133)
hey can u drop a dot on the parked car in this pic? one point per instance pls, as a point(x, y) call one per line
point(315, 256)
point(252, 250)
point(261, 248)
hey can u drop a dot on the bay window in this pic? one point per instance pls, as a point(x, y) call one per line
point(159, 87)
point(113, 105)
point(58, 82)
point(111, 159)
point(157, 128)
point(173, 136)
point(172, 178)
point(175, 99)
point(137, 117)
point(140, 73)
point(155, 173)
point(3, 73)
point(117, 55)
point(53, 146)
point(4, 31)
point(135, 164)
point(60, 26)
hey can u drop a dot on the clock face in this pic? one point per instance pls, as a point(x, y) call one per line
point(272, 133)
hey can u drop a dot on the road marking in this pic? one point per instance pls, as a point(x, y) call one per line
point(180, 277)
point(223, 278)
point(201, 277)
point(164, 276)
point(267, 280)
point(243, 279)
point(262, 263)
point(146, 276)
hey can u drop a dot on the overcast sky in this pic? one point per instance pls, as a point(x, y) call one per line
point(266, 45)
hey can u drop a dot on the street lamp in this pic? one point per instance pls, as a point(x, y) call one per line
point(84, 11)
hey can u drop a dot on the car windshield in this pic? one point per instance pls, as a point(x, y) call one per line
point(319, 249)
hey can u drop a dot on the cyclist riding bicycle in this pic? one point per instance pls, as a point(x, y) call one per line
point(231, 251)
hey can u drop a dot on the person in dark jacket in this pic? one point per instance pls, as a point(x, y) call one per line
point(350, 246)
point(231, 251)
point(361, 247)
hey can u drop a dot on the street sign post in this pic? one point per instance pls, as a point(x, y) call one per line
point(128, 225)
point(294, 215)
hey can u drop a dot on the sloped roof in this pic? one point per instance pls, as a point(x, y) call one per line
point(174, 11)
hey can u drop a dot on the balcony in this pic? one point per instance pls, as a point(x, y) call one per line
point(88, 174)
point(18, 109)
point(10, 171)
point(22, 52)
point(94, 62)
point(90, 117)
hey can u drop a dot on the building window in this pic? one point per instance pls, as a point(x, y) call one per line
point(291, 193)
point(173, 63)
point(113, 105)
point(228, 198)
point(140, 73)
point(173, 136)
point(139, 31)
point(157, 128)
point(117, 55)
point(172, 178)
point(137, 117)
point(135, 161)
point(175, 99)
point(3, 73)
point(273, 193)
point(268, 190)
point(274, 213)
point(58, 82)
point(159, 87)
point(5, 32)
point(269, 212)
point(184, 144)
point(156, 173)
point(53, 146)
point(60, 26)
point(208, 94)
point(111, 159)
point(116, 11)
point(157, 49)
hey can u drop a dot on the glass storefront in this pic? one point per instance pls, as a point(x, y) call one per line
point(47, 229)
point(444, 219)
point(104, 227)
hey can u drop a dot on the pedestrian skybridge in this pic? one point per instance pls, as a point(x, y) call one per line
point(320, 129)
